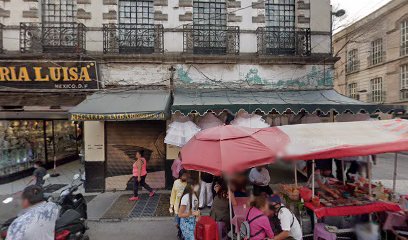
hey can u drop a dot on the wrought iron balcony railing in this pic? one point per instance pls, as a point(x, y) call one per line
point(1, 37)
point(275, 41)
point(209, 39)
point(133, 38)
point(53, 37)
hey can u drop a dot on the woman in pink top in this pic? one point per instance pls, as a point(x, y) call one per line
point(139, 176)
point(260, 227)
point(176, 167)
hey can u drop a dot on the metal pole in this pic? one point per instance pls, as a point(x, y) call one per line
point(313, 177)
point(369, 175)
point(394, 183)
point(230, 209)
point(343, 172)
point(296, 179)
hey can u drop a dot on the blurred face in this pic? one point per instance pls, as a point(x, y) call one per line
point(138, 155)
point(25, 203)
point(265, 208)
point(184, 177)
point(273, 206)
point(326, 173)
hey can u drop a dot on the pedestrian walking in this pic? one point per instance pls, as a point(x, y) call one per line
point(175, 198)
point(206, 191)
point(139, 176)
point(188, 211)
point(38, 174)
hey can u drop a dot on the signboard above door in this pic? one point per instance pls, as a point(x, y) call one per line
point(56, 75)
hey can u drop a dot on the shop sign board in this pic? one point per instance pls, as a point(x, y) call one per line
point(59, 75)
point(118, 117)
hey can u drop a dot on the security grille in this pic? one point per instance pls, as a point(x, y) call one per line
point(210, 27)
point(136, 26)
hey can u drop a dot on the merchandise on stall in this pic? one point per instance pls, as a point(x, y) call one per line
point(180, 131)
point(209, 121)
point(244, 119)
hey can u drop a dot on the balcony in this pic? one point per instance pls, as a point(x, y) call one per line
point(52, 37)
point(133, 38)
point(208, 39)
point(272, 41)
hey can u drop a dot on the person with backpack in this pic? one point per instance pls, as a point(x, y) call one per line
point(284, 223)
point(256, 225)
point(188, 210)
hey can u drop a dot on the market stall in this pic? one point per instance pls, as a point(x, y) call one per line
point(230, 149)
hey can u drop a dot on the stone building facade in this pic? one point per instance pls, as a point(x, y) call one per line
point(154, 45)
point(374, 56)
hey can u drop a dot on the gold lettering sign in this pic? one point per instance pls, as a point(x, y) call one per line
point(117, 117)
point(49, 74)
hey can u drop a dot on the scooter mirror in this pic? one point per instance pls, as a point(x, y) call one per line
point(76, 176)
point(46, 176)
point(8, 200)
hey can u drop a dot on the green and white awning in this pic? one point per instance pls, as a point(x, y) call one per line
point(128, 105)
point(250, 100)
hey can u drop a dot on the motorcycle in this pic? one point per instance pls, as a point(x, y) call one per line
point(71, 223)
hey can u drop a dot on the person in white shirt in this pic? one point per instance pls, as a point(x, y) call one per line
point(38, 218)
point(259, 178)
point(285, 224)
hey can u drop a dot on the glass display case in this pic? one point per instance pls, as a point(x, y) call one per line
point(22, 142)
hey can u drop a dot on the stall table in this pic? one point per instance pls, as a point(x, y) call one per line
point(339, 211)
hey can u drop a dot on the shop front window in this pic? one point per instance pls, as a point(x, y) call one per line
point(21, 144)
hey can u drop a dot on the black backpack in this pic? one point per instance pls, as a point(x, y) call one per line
point(275, 222)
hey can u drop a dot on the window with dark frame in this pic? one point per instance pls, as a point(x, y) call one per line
point(404, 82)
point(404, 38)
point(352, 91)
point(210, 26)
point(353, 64)
point(60, 31)
point(376, 51)
point(280, 26)
point(59, 11)
point(136, 26)
point(376, 88)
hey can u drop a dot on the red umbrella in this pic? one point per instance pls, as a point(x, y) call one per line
point(228, 149)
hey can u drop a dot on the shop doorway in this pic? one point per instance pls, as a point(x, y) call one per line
point(123, 139)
